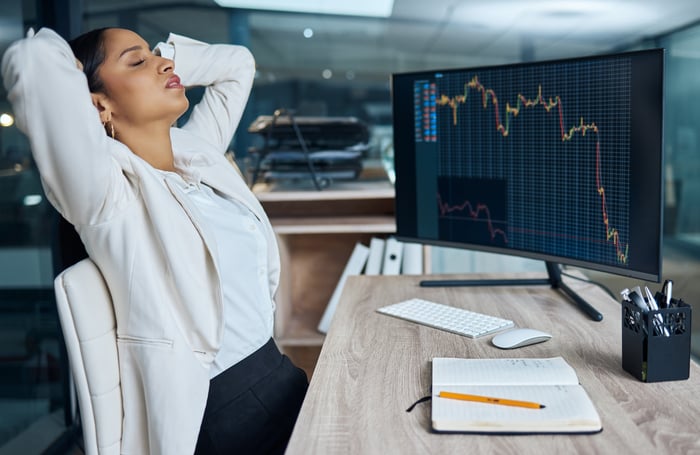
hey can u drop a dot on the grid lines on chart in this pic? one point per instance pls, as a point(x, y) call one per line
point(558, 134)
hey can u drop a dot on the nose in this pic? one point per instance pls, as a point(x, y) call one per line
point(165, 65)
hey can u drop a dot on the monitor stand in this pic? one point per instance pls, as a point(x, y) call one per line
point(554, 280)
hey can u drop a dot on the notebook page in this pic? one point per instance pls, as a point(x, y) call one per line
point(555, 370)
point(567, 409)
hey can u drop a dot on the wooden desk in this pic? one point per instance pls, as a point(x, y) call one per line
point(372, 367)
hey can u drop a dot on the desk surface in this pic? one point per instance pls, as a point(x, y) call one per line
point(372, 367)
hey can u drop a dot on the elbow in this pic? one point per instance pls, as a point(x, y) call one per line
point(247, 60)
point(45, 49)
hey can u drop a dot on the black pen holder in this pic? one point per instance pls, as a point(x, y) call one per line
point(656, 344)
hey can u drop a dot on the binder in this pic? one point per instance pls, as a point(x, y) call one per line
point(412, 262)
point(392, 257)
point(354, 266)
point(376, 256)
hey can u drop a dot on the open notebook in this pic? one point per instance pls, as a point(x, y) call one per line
point(551, 382)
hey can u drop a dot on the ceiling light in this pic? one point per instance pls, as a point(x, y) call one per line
point(31, 200)
point(372, 8)
point(308, 32)
point(327, 74)
point(6, 119)
point(544, 17)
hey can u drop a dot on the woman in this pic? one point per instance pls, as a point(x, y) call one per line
point(187, 252)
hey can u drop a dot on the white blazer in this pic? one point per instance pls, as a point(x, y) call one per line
point(141, 232)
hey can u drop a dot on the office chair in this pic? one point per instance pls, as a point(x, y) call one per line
point(89, 328)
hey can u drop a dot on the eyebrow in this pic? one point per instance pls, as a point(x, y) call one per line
point(129, 49)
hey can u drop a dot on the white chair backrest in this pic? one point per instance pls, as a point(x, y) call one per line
point(87, 319)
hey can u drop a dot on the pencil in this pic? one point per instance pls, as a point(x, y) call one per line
point(491, 400)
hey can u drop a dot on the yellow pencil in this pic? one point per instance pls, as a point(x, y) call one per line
point(491, 400)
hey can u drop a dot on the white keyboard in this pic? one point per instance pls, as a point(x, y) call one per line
point(445, 317)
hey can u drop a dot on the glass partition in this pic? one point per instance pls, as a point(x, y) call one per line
point(33, 368)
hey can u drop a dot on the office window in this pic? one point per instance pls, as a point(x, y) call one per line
point(683, 136)
point(682, 139)
point(33, 383)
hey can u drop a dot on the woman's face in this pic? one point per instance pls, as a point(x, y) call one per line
point(139, 87)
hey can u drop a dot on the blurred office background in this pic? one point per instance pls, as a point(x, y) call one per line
point(326, 63)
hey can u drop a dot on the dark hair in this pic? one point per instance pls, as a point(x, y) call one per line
point(88, 48)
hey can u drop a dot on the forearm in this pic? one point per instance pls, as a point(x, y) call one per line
point(227, 72)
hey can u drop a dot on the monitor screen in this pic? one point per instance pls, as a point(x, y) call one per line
point(558, 160)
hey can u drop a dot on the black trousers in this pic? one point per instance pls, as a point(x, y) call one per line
point(252, 406)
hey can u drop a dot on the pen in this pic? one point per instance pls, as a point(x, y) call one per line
point(625, 293)
point(664, 292)
point(651, 300)
point(491, 400)
point(658, 319)
point(669, 291)
point(638, 300)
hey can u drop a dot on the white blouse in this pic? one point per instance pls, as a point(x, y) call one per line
point(241, 254)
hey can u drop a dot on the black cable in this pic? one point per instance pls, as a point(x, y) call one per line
point(420, 400)
point(305, 150)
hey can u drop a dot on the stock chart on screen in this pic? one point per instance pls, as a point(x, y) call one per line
point(559, 160)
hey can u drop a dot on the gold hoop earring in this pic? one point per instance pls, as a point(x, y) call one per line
point(111, 127)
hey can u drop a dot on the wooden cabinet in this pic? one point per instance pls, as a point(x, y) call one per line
point(316, 232)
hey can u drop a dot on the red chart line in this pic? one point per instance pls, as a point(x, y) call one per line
point(467, 207)
point(611, 234)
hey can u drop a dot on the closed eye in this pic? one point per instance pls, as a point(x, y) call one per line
point(138, 62)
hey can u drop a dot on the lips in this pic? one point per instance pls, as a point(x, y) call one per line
point(173, 82)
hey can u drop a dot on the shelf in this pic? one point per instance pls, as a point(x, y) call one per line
point(335, 225)
point(358, 190)
point(300, 336)
point(359, 199)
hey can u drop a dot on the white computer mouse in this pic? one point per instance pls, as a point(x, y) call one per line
point(519, 337)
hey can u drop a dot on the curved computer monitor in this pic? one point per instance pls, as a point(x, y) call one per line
point(558, 160)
